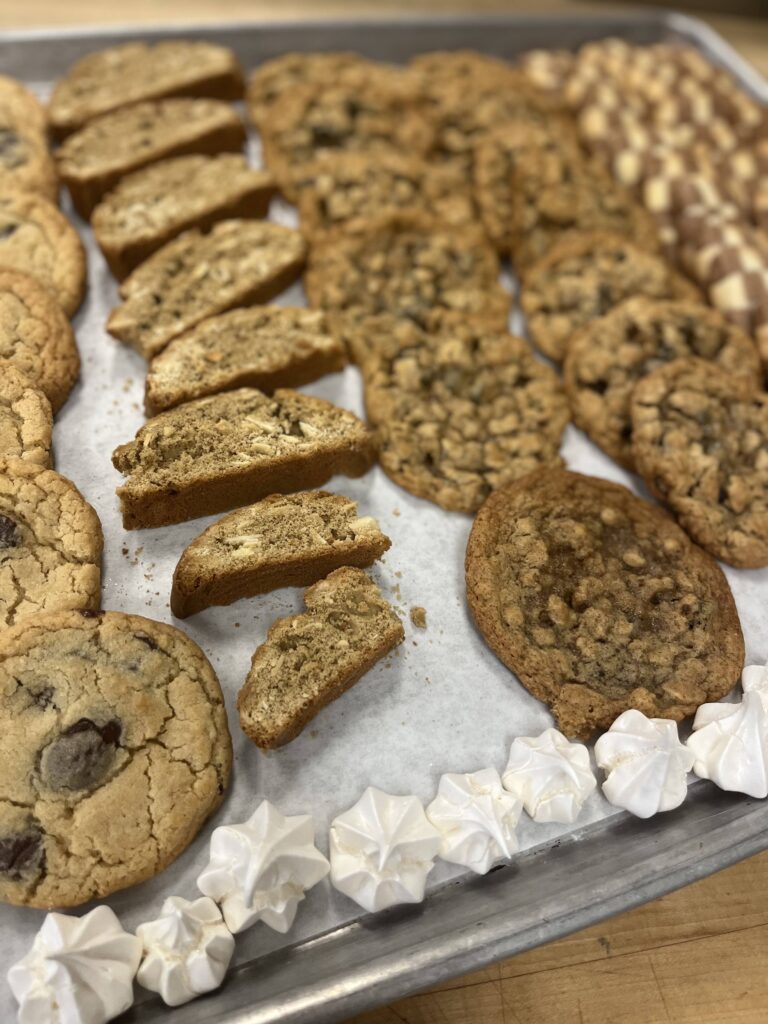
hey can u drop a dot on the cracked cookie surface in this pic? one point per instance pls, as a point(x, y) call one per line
point(700, 441)
point(114, 749)
point(599, 602)
point(607, 358)
point(50, 543)
point(26, 420)
point(460, 412)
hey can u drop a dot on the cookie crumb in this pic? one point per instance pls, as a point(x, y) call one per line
point(419, 617)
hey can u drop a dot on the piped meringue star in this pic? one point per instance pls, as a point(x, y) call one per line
point(382, 850)
point(551, 776)
point(646, 764)
point(260, 870)
point(476, 819)
point(730, 741)
point(79, 970)
point(186, 950)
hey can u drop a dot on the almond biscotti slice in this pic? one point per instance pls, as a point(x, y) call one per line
point(113, 78)
point(265, 347)
point(237, 263)
point(154, 205)
point(94, 159)
point(308, 660)
point(286, 540)
point(232, 449)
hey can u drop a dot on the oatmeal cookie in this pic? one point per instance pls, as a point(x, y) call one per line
point(606, 358)
point(700, 441)
point(460, 412)
point(50, 543)
point(599, 602)
point(36, 336)
point(583, 277)
point(26, 420)
point(114, 749)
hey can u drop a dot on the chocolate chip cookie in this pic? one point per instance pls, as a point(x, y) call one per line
point(460, 412)
point(25, 163)
point(700, 441)
point(123, 75)
point(36, 336)
point(50, 543)
point(37, 239)
point(607, 357)
point(26, 420)
point(19, 108)
point(599, 602)
point(583, 277)
point(114, 749)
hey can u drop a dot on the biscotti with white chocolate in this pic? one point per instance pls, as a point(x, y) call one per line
point(264, 347)
point(233, 449)
point(309, 660)
point(155, 204)
point(286, 540)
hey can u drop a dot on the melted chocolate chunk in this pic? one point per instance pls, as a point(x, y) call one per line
point(7, 230)
point(146, 639)
point(88, 613)
point(22, 855)
point(81, 757)
point(9, 533)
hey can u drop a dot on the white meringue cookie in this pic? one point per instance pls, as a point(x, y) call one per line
point(730, 744)
point(79, 970)
point(260, 870)
point(551, 776)
point(646, 764)
point(476, 819)
point(382, 850)
point(186, 950)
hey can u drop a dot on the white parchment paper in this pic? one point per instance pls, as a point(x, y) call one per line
point(441, 702)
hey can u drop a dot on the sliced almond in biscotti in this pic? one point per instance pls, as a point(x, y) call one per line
point(286, 540)
point(309, 660)
point(264, 347)
point(154, 205)
point(238, 263)
point(121, 75)
point(232, 449)
point(94, 159)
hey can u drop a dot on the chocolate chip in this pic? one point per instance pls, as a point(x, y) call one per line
point(22, 855)
point(88, 613)
point(9, 533)
point(146, 639)
point(44, 698)
point(7, 230)
point(11, 148)
point(81, 757)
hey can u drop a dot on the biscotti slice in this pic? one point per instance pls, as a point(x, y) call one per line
point(309, 660)
point(238, 263)
point(232, 449)
point(94, 159)
point(121, 75)
point(154, 205)
point(265, 347)
point(286, 540)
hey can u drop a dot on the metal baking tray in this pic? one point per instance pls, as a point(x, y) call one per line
point(558, 886)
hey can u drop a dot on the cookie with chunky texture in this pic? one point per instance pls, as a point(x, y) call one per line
point(607, 357)
point(599, 602)
point(154, 205)
point(237, 263)
point(407, 265)
point(26, 420)
point(121, 75)
point(25, 163)
point(36, 336)
point(50, 543)
point(700, 441)
point(37, 239)
point(583, 277)
point(265, 347)
point(286, 540)
point(311, 659)
point(94, 159)
point(114, 749)
point(233, 449)
point(460, 412)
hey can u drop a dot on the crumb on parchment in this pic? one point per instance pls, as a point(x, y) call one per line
point(419, 617)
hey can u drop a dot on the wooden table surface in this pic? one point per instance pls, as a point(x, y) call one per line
point(697, 956)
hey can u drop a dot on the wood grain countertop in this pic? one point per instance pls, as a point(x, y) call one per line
point(697, 956)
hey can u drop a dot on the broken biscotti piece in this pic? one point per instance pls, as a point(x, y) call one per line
point(238, 263)
point(232, 449)
point(286, 540)
point(308, 660)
